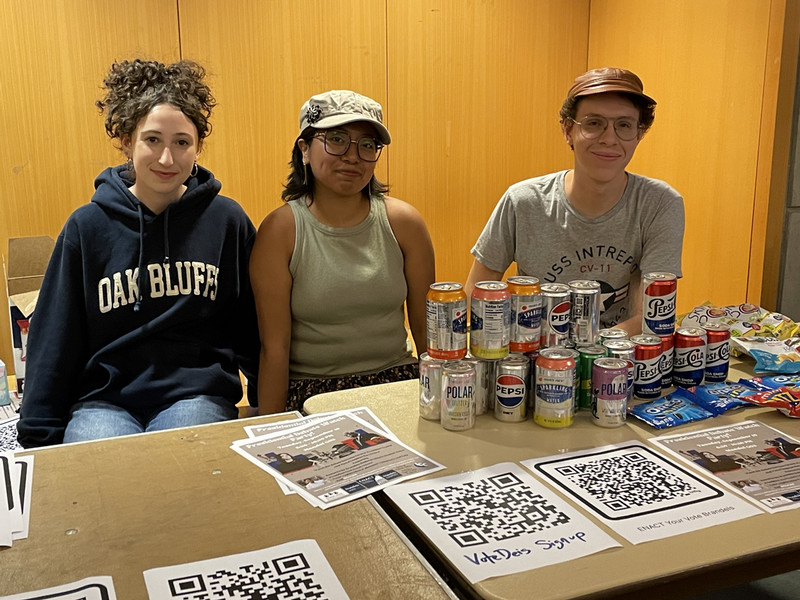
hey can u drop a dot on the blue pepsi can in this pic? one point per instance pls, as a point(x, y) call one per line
point(556, 307)
point(513, 385)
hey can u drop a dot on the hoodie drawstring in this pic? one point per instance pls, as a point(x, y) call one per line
point(166, 236)
point(139, 270)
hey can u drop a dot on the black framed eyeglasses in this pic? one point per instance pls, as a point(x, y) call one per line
point(337, 143)
point(592, 127)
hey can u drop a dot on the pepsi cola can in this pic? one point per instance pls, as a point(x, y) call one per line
point(458, 395)
point(646, 366)
point(555, 314)
point(667, 357)
point(659, 292)
point(718, 336)
point(513, 377)
point(584, 320)
point(689, 365)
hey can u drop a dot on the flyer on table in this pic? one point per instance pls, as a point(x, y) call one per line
point(336, 459)
point(751, 458)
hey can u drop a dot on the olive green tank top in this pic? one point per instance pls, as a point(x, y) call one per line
point(348, 292)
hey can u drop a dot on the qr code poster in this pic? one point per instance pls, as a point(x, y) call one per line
point(638, 493)
point(8, 435)
point(92, 588)
point(497, 521)
point(293, 571)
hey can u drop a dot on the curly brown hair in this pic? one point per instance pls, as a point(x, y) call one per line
point(135, 87)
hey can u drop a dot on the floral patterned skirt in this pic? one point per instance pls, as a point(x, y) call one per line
point(302, 389)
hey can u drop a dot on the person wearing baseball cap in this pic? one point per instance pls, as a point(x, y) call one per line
point(595, 221)
point(334, 267)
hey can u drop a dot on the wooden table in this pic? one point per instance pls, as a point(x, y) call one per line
point(673, 567)
point(121, 506)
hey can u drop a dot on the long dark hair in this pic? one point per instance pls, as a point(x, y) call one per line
point(300, 181)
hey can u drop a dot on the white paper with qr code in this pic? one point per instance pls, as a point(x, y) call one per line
point(638, 493)
point(293, 571)
point(91, 588)
point(498, 520)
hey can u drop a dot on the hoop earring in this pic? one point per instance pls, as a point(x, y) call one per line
point(195, 170)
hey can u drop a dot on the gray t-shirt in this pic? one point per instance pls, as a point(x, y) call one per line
point(535, 225)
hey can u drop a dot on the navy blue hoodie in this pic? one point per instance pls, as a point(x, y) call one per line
point(141, 310)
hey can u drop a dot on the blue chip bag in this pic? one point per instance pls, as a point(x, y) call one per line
point(755, 384)
point(673, 409)
point(721, 397)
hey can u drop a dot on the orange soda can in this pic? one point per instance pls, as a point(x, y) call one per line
point(526, 313)
point(446, 320)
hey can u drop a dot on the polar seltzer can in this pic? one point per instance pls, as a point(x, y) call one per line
point(512, 388)
point(718, 336)
point(484, 383)
point(623, 349)
point(446, 316)
point(430, 387)
point(490, 319)
point(555, 314)
point(555, 393)
point(609, 392)
point(611, 333)
point(646, 366)
point(458, 395)
point(667, 354)
point(526, 313)
point(584, 320)
point(588, 353)
point(658, 303)
point(689, 363)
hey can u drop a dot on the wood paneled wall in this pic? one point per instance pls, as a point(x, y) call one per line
point(470, 89)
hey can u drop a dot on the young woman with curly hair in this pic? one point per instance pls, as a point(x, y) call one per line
point(145, 314)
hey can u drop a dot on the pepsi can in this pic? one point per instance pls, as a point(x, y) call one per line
point(458, 395)
point(718, 336)
point(584, 320)
point(667, 354)
point(555, 314)
point(513, 384)
point(646, 366)
point(689, 364)
point(659, 292)
point(430, 387)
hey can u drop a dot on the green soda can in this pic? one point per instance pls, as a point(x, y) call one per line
point(588, 354)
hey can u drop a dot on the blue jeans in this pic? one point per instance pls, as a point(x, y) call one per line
point(94, 419)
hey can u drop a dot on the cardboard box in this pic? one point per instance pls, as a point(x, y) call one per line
point(24, 268)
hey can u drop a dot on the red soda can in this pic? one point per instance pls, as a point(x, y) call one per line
point(667, 355)
point(646, 366)
point(490, 319)
point(717, 352)
point(689, 364)
point(658, 303)
point(446, 320)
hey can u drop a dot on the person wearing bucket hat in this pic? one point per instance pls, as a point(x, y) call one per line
point(333, 268)
point(596, 220)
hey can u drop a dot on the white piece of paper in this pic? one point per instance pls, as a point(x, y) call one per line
point(10, 509)
point(336, 459)
point(638, 493)
point(91, 588)
point(24, 488)
point(498, 520)
point(750, 458)
point(299, 566)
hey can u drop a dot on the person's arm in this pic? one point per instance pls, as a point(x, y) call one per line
point(633, 324)
point(419, 264)
point(480, 272)
point(272, 288)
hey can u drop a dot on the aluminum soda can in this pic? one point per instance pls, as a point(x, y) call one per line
point(446, 320)
point(609, 392)
point(647, 366)
point(576, 380)
point(458, 395)
point(526, 313)
point(555, 393)
point(490, 319)
point(532, 356)
point(659, 292)
point(555, 315)
point(512, 388)
point(587, 355)
point(718, 336)
point(611, 333)
point(623, 349)
point(484, 383)
point(584, 319)
point(689, 363)
point(430, 387)
point(667, 356)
